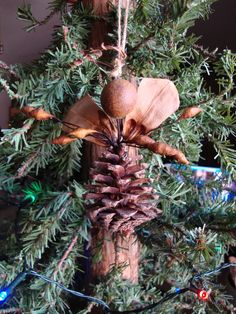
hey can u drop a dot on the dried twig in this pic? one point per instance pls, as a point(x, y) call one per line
point(206, 52)
point(47, 18)
point(5, 67)
point(65, 255)
point(21, 171)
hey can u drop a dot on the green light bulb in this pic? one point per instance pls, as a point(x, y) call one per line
point(32, 192)
point(31, 197)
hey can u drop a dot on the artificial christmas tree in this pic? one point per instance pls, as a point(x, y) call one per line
point(157, 246)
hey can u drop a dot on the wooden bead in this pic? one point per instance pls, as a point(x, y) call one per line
point(118, 98)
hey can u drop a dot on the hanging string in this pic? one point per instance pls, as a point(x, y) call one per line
point(119, 62)
point(119, 28)
point(125, 25)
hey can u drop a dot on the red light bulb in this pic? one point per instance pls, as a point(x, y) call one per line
point(203, 295)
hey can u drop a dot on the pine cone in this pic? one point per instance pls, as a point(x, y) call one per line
point(122, 198)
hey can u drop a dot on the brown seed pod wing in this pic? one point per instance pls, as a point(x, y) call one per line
point(36, 113)
point(157, 100)
point(40, 114)
point(143, 140)
point(190, 112)
point(84, 113)
point(166, 150)
point(63, 140)
point(82, 133)
point(160, 148)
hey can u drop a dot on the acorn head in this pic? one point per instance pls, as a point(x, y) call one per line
point(118, 98)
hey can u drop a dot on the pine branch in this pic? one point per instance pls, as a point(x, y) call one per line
point(173, 227)
point(17, 137)
point(24, 13)
point(66, 72)
point(8, 89)
point(227, 154)
point(230, 231)
point(141, 43)
point(45, 228)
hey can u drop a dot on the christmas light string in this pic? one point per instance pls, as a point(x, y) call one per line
point(73, 292)
point(30, 195)
point(7, 292)
point(212, 272)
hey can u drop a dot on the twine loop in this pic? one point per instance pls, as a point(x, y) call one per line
point(119, 61)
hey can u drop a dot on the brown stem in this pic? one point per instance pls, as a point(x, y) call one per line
point(118, 251)
point(21, 171)
point(66, 254)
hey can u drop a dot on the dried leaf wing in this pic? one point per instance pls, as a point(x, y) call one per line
point(84, 114)
point(107, 124)
point(157, 100)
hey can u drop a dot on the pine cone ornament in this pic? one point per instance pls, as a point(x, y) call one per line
point(120, 196)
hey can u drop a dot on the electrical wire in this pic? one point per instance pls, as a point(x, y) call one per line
point(106, 308)
point(21, 277)
point(76, 293)
point(167, 297)
point(213, 271)
point(151, 306)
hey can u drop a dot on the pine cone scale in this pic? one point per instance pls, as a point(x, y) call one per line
point(102, 178)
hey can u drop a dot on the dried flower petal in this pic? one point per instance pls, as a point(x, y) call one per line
point(86, 114)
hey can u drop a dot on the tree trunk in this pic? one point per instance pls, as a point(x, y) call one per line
point(121, 251)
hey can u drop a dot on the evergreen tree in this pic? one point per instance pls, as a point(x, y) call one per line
point(43, 180)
